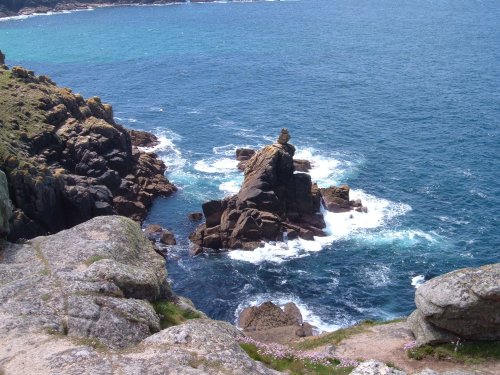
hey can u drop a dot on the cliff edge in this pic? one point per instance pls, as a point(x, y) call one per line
point(81, 302)
point(66, 160)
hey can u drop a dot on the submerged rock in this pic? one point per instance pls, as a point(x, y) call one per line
point(461, 304)
point(272, 200)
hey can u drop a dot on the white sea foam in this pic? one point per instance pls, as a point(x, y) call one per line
point(231, 187)
point(417, 280)
point(281, 299)
point(223, 165)
point(167, 150)
point(276, 252)
point(403, 238)
point(50, 13)
point(377, 274)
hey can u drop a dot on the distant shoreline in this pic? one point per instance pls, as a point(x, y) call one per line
point(65, 7)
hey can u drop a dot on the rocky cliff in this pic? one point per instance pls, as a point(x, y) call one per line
point(80, 302)
point(66, 160)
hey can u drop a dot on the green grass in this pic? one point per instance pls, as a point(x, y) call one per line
point(339, 335)
point(467, 352)
point(295, 366)
point(93, 259)
point(170, 314)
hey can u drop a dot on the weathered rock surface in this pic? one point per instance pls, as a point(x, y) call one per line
point(463, 303)
point(373, 367)
point(269, 323)
point(66, 160)
point(71, 302)
point(5, 206)
point(272, 200)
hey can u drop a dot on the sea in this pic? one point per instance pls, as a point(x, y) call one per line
point(398, 99)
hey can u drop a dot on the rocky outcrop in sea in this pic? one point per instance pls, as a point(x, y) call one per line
point(272, 202)
point(66, 160)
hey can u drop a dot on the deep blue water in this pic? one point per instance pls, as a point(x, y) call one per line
point(399, 99)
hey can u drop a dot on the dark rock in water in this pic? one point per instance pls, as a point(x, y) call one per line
point(143, 139)
point(301, 165)
point(271, 200)
point(270, 323)
point(244, 154)
point(336, 199)
point(71, 161)
point(153, 230)
point(2, 58)
point(195, 216)
point(167, 238)
point(463, 303)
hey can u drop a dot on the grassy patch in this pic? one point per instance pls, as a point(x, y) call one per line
point(295, 366)
point(93, 259)
point(467, 352)
point(339, 335)
point(171, 314)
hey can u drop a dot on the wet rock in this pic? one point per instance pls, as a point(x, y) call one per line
point(195, 216)
point(336, 199)
point(463, 303)
point(168, 238)
point(301, 165)
point(143, 139)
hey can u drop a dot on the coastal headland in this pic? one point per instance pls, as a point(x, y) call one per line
point(82, 290)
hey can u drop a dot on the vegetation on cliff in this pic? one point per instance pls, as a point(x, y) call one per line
point(66, 160)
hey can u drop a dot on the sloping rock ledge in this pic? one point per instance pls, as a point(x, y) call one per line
point(78, 302)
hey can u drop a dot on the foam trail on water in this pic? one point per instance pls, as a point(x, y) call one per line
point(338, 226)
point(308, 314)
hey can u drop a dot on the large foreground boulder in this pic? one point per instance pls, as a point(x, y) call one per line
point(78, 302)
point(461, 304)
point(272, 200)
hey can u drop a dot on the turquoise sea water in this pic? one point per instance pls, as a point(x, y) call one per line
point(399, 99)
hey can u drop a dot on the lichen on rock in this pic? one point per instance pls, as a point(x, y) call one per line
point(66, 160)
